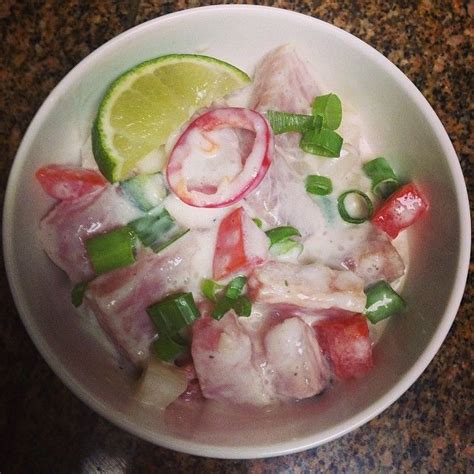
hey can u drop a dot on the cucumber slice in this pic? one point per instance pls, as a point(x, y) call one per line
point(145, 191)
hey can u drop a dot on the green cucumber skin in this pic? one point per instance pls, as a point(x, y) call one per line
point(145, 191)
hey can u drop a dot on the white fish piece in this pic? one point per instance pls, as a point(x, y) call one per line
point(299, 369)
point(69, 224)
point(283, 81)
point(120, 298)
point(313, 286)
point(223, 359)
point(376, 260)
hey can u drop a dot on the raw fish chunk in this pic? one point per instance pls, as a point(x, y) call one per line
point(120, 298)
point(283, 81)
point(69, 224)
point(295, 360)
point(376, 260)
point(312, 286)
point(223, 359)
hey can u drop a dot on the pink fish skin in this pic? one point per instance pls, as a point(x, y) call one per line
point(70, 223)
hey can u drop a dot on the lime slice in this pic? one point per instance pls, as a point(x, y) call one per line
point(146, 104)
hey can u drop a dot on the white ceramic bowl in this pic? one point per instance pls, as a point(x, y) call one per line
point(399, 123)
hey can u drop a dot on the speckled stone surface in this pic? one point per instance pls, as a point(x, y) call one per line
point(45, 428)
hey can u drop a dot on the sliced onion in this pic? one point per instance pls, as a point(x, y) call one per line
point(231, 189)
point(161, 384)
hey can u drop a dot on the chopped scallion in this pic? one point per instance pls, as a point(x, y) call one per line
point(235, 287)
point(382, 302)
point(361, 209)
point(167, 349)
point(329, 107)
point(242, 306)
point(173, 314)
point(283, 122)
point(157, 229)
point(78, 292)
point(114, 249)
point(258, 222)
point(210, 289)
point(319, 185)
point(324, 142)
point(222, 306)
point(278, 234)
point(384, 180)
point(158, 247)
point(285, 246)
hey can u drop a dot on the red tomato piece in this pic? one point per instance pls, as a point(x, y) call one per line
point(229, 255)
point(69, 182)
point(402, 209)
point(346, 342)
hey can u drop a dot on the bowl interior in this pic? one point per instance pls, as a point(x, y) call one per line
point(400, 125)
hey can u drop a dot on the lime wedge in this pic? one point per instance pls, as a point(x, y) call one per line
point(149, 102)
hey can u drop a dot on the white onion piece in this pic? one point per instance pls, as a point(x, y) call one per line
point(161, 384)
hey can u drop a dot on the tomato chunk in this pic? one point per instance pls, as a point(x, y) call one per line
point(240, 245)
point(402, 209)
point(69, 182)
point(346, 342)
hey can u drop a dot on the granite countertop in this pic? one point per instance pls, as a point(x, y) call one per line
point(45, 428)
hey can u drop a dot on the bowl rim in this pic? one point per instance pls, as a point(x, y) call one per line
point(271, 449)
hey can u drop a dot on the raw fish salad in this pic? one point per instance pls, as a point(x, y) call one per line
point(251, 266)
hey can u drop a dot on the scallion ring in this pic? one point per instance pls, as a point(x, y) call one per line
point(384, 180)
point(242, 306)
point(173, 314)
point(166, 349)
point(111, 250)
point(210, 289)
point(319, 185)
point(278, 234)
point(330, 108)
point(324, 142)
point(382, 302)
point(283, 122)
point(355, 216)
point(235, 287)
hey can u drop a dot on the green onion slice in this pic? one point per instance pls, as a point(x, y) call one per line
point(159, 246)
point(222, 306)
point(384, 180)
point(325, 143)
point(167, 349)
point(319, 185)
point(280, 233)
point(114, 249)
point(382, 302)
point(258, 222)
point(356, 215)
point(157, 229)
point(78, 292)
point(284, 247)
point(210, 289)
point(242, 306)
point(329, 107)
point(283, 122)
point(173, 314)
point(235, 287)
